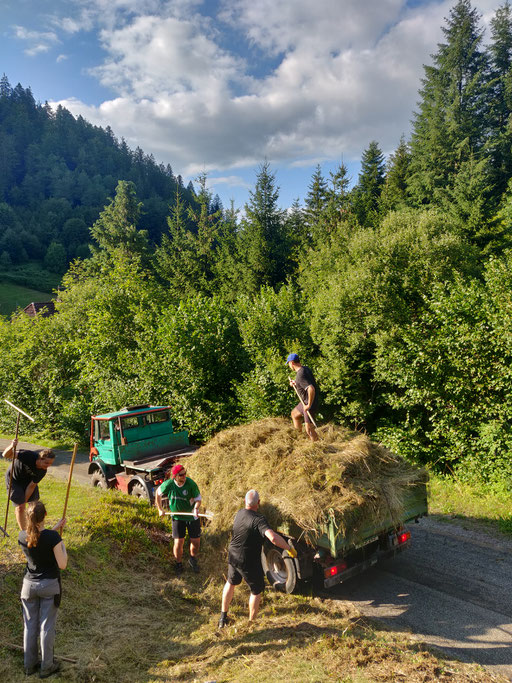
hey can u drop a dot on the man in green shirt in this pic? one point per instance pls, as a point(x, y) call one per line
point(184, 496)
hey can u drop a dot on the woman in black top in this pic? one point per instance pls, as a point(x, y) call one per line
point(40, 594)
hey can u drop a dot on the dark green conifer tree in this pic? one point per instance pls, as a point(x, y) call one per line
point(499, 144)
point(116, 228)
point(316, 205)
point(394, 192)
point(450, 124)
point(366, 194)
point(263, 245)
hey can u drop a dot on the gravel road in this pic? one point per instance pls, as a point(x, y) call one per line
point(451, 589)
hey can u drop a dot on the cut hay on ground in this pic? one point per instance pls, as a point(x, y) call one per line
point(299, 482)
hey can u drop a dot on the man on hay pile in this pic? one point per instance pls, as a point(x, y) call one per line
point(27, 471)
point(184, 496)
point(307, 390)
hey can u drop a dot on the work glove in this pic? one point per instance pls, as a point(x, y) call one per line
point(196, 514)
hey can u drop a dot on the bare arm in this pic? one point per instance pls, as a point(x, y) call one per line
point(277, 539)
point(158, 502)
point(8, 452)
point(61, 555)
point(30, 490)
point(311, 397)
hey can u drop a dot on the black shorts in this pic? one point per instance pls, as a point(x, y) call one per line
point(18, 492)
point(254, 577)
point(180, 528)
point(304, 413)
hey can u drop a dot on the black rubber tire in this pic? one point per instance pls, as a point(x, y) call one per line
point(139, 491)
point(98, 479)
point(279, 568)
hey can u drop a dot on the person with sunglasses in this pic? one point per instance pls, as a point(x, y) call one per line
point(183, 495)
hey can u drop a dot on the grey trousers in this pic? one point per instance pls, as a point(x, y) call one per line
point(39, 617)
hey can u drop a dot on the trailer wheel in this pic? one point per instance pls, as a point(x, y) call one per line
point(139, 491)
point(98, 479)
point(280, 569)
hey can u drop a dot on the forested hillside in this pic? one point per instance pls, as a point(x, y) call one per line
point(56, 174)
point(397, 292)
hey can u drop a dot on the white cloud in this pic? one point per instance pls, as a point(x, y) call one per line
point(37, 41)
point(61, 58)
point(344, 73)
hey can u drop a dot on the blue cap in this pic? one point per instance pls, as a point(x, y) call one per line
point(292, 358)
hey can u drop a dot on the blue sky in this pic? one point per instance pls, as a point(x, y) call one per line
point(221, 85)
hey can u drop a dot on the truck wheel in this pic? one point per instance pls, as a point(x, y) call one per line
point(98, 479)
point(139, 491)
point(280, 570)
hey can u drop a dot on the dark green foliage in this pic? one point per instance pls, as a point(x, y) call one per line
point(395, 193)
point(451, 371)
point(263, 245)
point(51, 156)
point(115, 232)
point(373, 282)
point(499, 143)
point(366, 194)
point(271, 325)
point(451, 123)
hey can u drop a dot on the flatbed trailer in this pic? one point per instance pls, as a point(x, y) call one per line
point(328, 558)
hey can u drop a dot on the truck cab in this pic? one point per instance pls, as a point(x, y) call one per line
point(132, 449)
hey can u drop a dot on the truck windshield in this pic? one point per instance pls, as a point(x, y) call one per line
point(101, 430)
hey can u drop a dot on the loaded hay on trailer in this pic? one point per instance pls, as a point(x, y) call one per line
point(301, 482)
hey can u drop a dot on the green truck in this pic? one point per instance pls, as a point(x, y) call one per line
point(326, 557)
point(132, 449)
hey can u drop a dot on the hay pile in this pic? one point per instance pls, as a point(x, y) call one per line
point(299, 482)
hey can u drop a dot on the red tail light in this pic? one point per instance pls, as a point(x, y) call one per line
point(336, 569)
point(157, 482)
point(403, 537)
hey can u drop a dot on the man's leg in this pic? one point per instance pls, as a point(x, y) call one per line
point(227, 596)
point(19, 511)
point(194, 546)
point(194, 552)
point(297, 419)
point(254, 605)
point(178, 549)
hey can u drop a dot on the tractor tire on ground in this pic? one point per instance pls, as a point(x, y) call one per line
point(98, 479)
point(139, 491)
point(280, 570)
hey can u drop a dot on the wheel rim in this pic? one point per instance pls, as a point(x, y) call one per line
point(277, 567)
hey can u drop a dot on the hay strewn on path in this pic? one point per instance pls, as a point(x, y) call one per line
point(299, 481)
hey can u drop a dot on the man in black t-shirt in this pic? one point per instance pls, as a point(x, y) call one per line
point(28, 469)
point(307, 389)
point(250, 529)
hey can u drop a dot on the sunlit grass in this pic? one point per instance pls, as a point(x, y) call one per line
point(491, 506)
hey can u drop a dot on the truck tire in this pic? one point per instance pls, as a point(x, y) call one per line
point(280, 569)
point(98, 479)
point(139, 491)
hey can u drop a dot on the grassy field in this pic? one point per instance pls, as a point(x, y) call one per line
point(125, 617)
point(14, 296)
point(475, 503)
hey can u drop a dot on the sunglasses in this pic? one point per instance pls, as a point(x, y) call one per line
point(182, 473)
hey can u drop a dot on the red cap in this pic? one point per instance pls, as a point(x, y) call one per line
point(176, 469)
